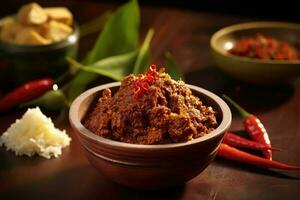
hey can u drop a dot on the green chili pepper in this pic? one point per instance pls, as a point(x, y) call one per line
point(52, 100)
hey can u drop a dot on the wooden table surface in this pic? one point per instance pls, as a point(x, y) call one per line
point(186, 34)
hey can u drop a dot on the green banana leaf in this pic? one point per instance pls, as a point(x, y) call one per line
point(120, 35)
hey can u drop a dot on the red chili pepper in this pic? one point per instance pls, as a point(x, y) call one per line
point(25, 92)
point(254, 127)
point(237, 141)
point(231, 153)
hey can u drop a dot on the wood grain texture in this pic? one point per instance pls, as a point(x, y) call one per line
point(186, 35)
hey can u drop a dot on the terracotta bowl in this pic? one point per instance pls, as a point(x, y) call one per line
point(148, 166)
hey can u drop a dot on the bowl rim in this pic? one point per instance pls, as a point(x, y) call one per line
point(252, 25)
point(70, 39)
point(76, 123)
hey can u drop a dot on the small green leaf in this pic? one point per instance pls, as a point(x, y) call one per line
point(115, 67)
point(173, 68)
point(142, 60)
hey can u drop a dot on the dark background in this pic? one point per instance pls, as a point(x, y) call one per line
point(286, 10)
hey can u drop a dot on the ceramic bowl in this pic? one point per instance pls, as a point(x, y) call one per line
point(148, 166)
point(251, 70)
point(21, 63)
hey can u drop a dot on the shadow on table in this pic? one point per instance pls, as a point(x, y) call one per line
point(254, 98)
point(175, 192)
point(8, 160)
point(243, 167)
point(82, 182)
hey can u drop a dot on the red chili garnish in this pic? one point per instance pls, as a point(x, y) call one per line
point(143, 82)
point(144, 85)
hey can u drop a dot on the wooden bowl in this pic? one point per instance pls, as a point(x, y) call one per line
point(252, 70)
point(148, 166)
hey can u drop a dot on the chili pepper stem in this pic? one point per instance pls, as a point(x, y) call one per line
point(242, 111)
point(274, 149)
